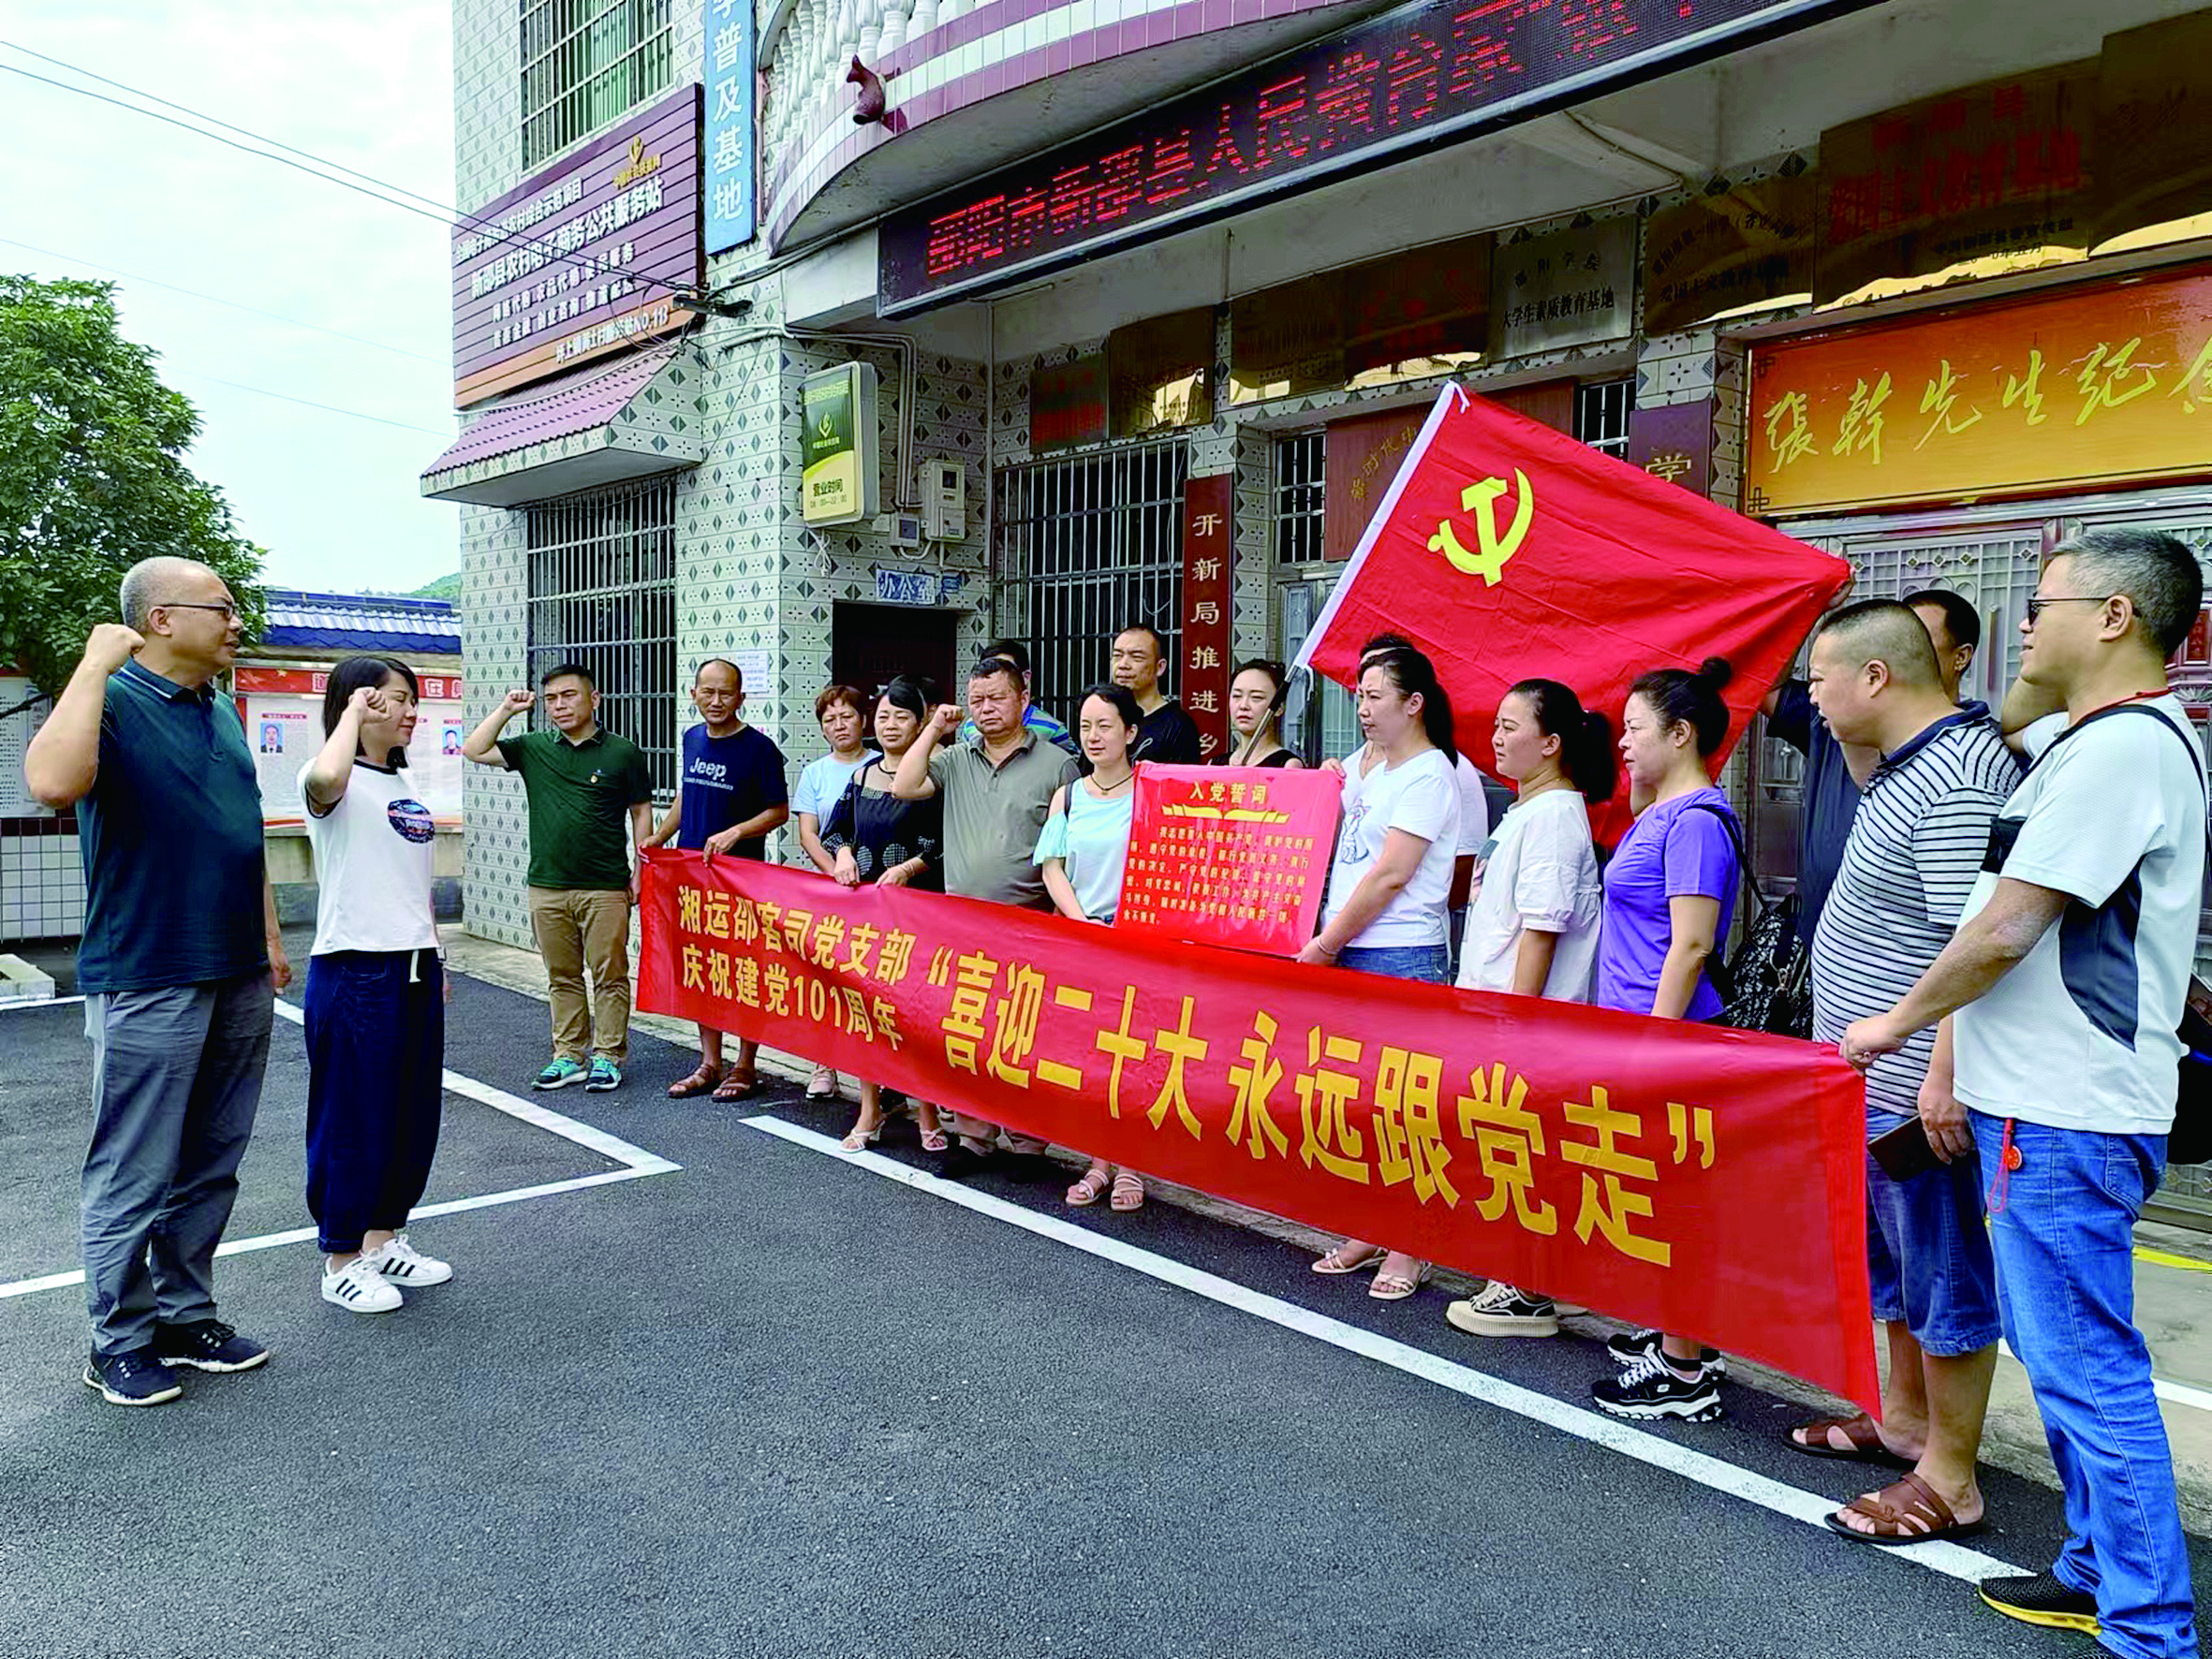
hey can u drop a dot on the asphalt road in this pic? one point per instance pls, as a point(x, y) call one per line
point(774, 1402)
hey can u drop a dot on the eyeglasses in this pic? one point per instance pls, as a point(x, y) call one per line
point(228, 610)
point(2035, 606)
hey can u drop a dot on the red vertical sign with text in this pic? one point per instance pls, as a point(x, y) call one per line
point(1208, 548)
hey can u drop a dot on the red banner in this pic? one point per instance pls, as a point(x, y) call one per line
point(1235, 856)
point(1506, 550)
point(1208, 548)
point(1707, 1181)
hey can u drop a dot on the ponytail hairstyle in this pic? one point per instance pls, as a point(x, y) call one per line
point(1586, 755)
point(1412, 672)
point(1679, 697)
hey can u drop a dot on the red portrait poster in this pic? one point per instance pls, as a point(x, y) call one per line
point(1234, 856)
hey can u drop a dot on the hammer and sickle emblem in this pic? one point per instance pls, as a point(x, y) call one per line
point(1480, 499)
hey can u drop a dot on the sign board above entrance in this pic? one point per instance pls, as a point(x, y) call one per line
point(581, 261)
point(1417, 77)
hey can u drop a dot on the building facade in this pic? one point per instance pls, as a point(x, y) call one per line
point(1151, 295)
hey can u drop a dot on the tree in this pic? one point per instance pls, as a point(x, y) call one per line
point(91, 476)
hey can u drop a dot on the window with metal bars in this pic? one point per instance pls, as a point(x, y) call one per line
point(585, 62)
point(603, 594)
point(1088, 546)
point(1601, 411)
point(1300, 470)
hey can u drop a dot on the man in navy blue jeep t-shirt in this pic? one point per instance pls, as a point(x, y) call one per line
point(731, 793)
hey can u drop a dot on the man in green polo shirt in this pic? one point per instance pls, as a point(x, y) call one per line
point(997, 794)
point(583, 784)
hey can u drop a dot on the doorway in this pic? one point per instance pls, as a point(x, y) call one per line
point(871, 645)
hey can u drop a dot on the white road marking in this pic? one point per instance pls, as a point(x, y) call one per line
point(1953, 1560)
point(636, 1163)
point(41, 1002)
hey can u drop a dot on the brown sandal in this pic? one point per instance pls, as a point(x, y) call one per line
point(699, 1082)
point(738, 1084)
point(1865, 1442)
point(1907, 1511)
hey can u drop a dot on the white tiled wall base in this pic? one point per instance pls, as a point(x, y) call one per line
point(41, 888)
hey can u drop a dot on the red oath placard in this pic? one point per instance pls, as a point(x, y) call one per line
point(1229, 855)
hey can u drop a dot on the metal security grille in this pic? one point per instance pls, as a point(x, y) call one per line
point(1087, 547)
point(1300, 470)
point(584, 62)
point(603, 594)
point(1601, 411)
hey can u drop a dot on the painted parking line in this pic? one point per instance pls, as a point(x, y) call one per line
point(1953, 1560)
point(636, 1164)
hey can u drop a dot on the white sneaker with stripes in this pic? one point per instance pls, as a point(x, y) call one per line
point(403, 1263)
point(359, 1288)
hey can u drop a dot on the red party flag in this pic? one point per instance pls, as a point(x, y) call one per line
point(1507, 550)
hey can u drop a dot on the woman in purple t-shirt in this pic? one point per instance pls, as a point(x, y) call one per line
point(1669, 892)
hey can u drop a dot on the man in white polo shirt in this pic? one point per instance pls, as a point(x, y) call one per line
point(2067, 977)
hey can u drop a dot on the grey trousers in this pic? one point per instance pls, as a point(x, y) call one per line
point(176, 1077)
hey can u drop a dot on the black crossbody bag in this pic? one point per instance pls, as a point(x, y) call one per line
point(2189, 1141)
point(1766, 983)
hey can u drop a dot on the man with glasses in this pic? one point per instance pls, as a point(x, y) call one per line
point(180, 963)
point(2065, 984)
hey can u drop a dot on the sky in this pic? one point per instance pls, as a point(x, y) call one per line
point(333, 497)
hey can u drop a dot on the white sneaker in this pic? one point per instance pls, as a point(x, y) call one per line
point(359, 1288)
point(403, 1263)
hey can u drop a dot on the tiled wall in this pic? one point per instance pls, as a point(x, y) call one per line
point(41, 879)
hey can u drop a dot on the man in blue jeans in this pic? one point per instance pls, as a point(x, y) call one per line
point(2067, 980)
point(179, 964)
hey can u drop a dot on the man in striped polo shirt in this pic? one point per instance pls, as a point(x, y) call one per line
point(1911, 861)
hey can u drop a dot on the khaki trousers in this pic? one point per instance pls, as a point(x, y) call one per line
point(580, 931)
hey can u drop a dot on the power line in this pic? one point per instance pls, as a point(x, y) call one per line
point(308, 403)
point(218, 300)
point(447, 216)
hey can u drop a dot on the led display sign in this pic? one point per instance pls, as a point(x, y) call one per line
point(1408, 80)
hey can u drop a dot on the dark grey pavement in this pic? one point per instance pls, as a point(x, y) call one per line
point(773, 1403)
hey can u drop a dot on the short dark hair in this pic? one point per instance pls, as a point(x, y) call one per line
point(736, 673)
point(1159, 640)
point(912, 693)
point(991, 666)
point(1961, 620)
point(569, 671)
point(1013, 649)
point(2153, 570)
point(1888, 631)
point(852, 696)
point(353, 672)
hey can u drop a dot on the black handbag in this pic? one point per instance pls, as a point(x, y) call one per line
point(1766, 983)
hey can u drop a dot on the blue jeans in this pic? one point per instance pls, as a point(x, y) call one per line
point(1928, 1252)
point(1431, 963)
point(2062, 1226)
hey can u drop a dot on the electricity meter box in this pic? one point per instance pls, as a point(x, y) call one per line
point(944, 500)
point(838, 480)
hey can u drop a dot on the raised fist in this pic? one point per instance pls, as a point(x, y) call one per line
point(110, 645)
point(518, 700)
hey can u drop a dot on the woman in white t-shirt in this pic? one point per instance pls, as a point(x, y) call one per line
point(376, 991)
point(1532, 926)
point(1389, 884)
point(842, 709)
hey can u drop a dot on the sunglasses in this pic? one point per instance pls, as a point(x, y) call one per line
point(2035, 606)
